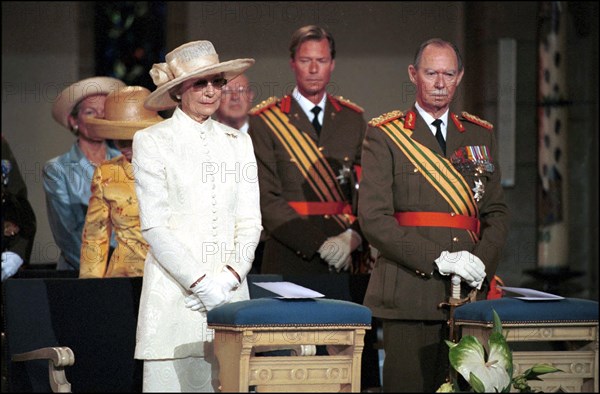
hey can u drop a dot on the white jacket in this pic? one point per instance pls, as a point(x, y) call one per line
point(197, 185)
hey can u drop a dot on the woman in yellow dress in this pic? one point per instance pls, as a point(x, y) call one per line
point(113, 205)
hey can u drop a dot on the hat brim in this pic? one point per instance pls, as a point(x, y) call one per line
point(159, 100)
point(72, 95)
point(118, 130)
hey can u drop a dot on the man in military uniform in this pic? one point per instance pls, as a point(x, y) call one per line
point(307, 168)
point(306, 163)
point(434, 208)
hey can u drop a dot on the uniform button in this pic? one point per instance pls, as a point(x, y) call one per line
point(321, 149)
point(415, 169)
point(346, 158)
point(298, 252)
point(423, 274)
point(326, 216)
point(418, 272)
point(455, 239)
point(452, 214)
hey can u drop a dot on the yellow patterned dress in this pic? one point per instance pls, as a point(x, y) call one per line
point(113, 206)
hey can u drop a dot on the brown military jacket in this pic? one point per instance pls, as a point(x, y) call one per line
point(404, 284)
point(293, 239)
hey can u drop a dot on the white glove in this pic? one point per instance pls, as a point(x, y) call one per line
point(464, 264)
point(225, 280)
point(476, 284)
point(193, 302)
point(10, 264)
point(336, 250)
point(210, 293)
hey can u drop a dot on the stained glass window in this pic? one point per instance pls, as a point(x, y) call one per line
point(130, 36)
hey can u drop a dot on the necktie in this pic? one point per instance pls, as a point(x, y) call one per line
point(315, 122)
point(438, 134)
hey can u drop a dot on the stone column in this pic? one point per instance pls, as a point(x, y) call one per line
point(553, 237)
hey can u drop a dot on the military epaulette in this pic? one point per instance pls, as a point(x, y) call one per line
point(347, 103)
point(263, 105)
point(477, 120)
point(385, 118)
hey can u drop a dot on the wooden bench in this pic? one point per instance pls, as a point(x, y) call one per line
point(244, 327)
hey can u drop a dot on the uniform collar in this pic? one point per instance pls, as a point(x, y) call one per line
point(308, 105)
point(428, 119)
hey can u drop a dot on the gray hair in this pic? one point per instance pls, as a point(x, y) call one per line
point(439, 43)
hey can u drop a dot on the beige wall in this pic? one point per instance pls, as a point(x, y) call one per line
point(40, 57)
point(375, 42)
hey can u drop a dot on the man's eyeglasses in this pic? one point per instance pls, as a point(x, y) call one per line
point(217, 83)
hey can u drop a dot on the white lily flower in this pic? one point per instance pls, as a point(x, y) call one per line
point(468, 358)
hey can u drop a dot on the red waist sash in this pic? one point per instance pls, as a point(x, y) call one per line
point(321, 208)
point(438, 219)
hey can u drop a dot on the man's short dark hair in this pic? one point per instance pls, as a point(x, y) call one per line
point(311, 32)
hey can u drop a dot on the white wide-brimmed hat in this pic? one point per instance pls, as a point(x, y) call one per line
point(72, 95)
point(124, 114)
point(189, 61)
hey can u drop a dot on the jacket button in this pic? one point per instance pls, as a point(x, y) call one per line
point(326, 216)
point(455, 239)
point(452, 214)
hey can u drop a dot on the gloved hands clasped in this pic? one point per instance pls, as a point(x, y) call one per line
point(336, 251)
point(212, 291)
point(464, 264)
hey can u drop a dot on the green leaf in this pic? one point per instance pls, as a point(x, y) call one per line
point(534, 372)
point(541, 369)
point(497, 322)
point(500, 352)
point(476, 384)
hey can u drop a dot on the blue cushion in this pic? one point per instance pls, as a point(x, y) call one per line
point(514, 310)
point(290, 312)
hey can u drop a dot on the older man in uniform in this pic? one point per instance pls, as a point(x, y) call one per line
point(432, 204)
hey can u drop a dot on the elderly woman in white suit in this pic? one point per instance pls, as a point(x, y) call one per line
point(197, 187)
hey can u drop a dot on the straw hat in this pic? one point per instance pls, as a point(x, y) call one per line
point(195, 59)
point(71, 96)
point(124, 114)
